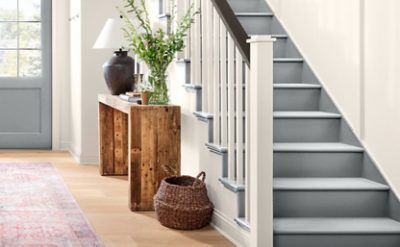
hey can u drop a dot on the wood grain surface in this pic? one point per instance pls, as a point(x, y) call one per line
point(155, 151)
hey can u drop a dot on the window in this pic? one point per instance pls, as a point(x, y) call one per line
point(20, 38)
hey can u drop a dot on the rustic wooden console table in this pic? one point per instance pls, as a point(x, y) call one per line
point(142, 142)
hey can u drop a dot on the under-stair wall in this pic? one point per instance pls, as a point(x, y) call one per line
point(197, 157)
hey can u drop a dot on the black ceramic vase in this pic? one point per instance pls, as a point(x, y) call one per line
point(118, 73)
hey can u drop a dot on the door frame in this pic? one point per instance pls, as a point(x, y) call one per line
point(38, 138)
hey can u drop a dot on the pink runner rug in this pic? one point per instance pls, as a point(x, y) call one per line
point(36, 209)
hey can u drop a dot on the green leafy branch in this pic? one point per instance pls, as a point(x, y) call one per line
point(157, 48)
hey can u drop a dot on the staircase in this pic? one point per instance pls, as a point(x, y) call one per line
point(327, 190)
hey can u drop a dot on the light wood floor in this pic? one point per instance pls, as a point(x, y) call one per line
point(104, 201)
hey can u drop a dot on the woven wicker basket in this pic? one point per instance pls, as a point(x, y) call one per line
point(182, 203)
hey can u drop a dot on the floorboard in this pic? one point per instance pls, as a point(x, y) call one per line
point(104, 201)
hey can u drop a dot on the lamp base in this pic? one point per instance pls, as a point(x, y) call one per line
point(119, 73)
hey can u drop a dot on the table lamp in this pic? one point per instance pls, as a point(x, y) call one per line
point(119, 70)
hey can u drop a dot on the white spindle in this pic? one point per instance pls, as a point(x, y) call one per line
point(193, 41)
point(224, 100)
point(261, 141)
point(180, 10)
point(204, 54)
point(210, 55)
point(239, 119)
point(216, 77)
point(247, 143)
point(186, 52)
point(182, 6)
point(163, 7)
point(231, 108)
point(196, 47)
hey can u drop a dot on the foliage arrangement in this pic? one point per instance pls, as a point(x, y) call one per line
point(157, 48)
point(145, 86)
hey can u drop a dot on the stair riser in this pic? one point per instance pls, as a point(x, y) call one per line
point(249, 6)
point(296, 99)
point(306, 130)
point(369, 240)
point(284, 48)
point(330, 203)
point(289, 72)
point(258, 25)
point(318, 164)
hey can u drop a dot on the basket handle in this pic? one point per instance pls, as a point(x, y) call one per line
point(201, 176)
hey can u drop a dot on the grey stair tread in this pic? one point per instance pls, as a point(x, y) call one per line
point(254, 14)
point(305, 114)
point(326, 184)
point(232, 185)
point(192, 86)
point(279, 36)
point(296, 85)
point(288, 60)
point(336, 226)
point(315, 147)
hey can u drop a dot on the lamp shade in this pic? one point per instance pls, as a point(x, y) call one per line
point(112, 35)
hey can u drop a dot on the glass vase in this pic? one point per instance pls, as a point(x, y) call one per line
point(159, 95)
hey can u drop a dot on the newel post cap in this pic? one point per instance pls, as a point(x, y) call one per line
point(261, 39)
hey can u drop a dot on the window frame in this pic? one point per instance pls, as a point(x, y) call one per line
point(18, 49)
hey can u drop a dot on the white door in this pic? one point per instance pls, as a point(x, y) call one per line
point(25, 74)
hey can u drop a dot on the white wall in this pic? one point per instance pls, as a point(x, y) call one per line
point(328, 34)
point(87, 75)
point(353, 46)
point(94, 15)
point(382, 84)
point(75, 90)
point(61, 79)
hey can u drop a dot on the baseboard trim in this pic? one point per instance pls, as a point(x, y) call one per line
point(64, 146)
point(83, 159)
point(89, 160)
point(230, 229)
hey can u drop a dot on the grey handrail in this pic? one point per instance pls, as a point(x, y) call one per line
point(234, 27)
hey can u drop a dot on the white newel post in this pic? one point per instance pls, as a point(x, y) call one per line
point(261, 141)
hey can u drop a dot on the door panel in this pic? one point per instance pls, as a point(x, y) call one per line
point(25, 74)
point(26, 105)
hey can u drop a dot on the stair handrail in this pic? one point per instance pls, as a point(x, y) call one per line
point(234, 28)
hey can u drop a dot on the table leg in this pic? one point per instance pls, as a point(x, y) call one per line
point(113, 127)
point(154, 148)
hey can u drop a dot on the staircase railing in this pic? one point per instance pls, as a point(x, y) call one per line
point(234, 28)
point(235, 76)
